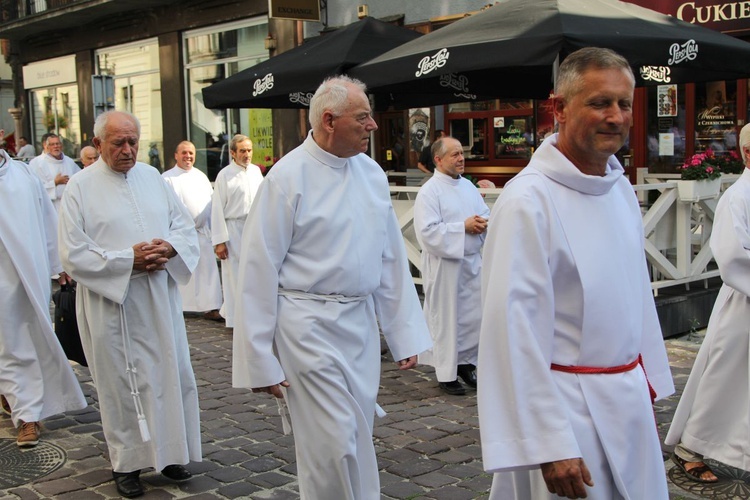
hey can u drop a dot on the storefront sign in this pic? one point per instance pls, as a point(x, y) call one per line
point(719, 15)
point(50, 73)
point(300, 10)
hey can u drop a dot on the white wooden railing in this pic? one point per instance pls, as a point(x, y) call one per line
point(676, 232)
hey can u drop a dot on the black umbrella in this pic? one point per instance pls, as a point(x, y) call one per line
point(289, 79)
point(512, 48)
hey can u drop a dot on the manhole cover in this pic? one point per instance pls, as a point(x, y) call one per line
point(20, 466)
point(733, 483)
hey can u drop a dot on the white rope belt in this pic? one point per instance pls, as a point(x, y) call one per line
point(299, 294)
point(342, 299)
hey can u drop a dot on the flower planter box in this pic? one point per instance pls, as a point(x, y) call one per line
point(691, 191)
point(729, 177)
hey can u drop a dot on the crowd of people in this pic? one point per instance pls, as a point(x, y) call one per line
point(542, 304)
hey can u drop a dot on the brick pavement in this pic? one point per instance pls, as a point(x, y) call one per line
point(427, 445)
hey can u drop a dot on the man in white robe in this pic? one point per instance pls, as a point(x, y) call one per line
point(323, 261)
point(26, 151)
point(713, 415)
point(234, 191)
point(569, 328)
point(89, 155)
point(127, 240)
point(36, 379)
point(54, 169)
point(450, 220)
point(193, 189)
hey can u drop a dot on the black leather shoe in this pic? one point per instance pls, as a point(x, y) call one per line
point(453, 388)
point(469, 374)
point(176, 472)
point(128, 483)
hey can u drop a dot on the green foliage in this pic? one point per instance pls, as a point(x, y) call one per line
point(709, 165)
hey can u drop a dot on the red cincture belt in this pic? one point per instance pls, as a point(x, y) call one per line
point(613, 369)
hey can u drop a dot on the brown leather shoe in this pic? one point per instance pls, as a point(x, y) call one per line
point(213, 316)
point(28, 434)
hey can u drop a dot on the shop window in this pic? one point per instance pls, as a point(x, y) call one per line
point(135, 69)
point(498, 130)
point(514, 137)
point(471, 133)
point(716, 117)
point(467, 106)
point(56, 110)
point(212, 55)
point(666, 138)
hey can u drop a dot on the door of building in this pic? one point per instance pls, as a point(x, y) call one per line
point(392, 146)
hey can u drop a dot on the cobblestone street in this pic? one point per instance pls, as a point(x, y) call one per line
point(427, 445)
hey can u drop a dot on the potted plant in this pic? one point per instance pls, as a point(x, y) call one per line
point(730, 163)
point(700, 177)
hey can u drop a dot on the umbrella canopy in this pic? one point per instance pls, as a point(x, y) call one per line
point(512, 48)
point(289, 79)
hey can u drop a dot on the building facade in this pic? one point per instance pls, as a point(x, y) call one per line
point(72, 59)
point(76, 58)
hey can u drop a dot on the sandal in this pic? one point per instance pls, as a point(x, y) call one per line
point(694, 473)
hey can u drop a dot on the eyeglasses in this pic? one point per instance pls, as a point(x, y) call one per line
point(361, 118)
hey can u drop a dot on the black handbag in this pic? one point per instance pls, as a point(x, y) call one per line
point(66, 325)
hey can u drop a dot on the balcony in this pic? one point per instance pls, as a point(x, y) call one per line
point(21, 19)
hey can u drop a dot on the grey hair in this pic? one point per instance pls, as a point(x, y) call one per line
point(47, 137)
point(572, 68)
point(238, 138)
point(332, 96)
point(100, 125)
point(440, 146)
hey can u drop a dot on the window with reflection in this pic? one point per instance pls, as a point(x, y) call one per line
point(514, 137)
point(716, 117)
point(57, 110)
point(135, 68)
point(494, 131)
point(212, 55)
point(665, 135)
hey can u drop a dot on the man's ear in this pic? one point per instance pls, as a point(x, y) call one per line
point(558, 108)
point(328, 120)
point(97, 144)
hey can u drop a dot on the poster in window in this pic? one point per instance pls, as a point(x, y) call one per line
point(261, 132)
point(666, 99)
point(419, 128)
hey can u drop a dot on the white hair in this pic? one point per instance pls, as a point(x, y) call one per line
point(332, 96)
point(100, 125)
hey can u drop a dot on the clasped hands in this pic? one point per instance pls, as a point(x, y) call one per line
point(475, 225)
point(152, 256)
